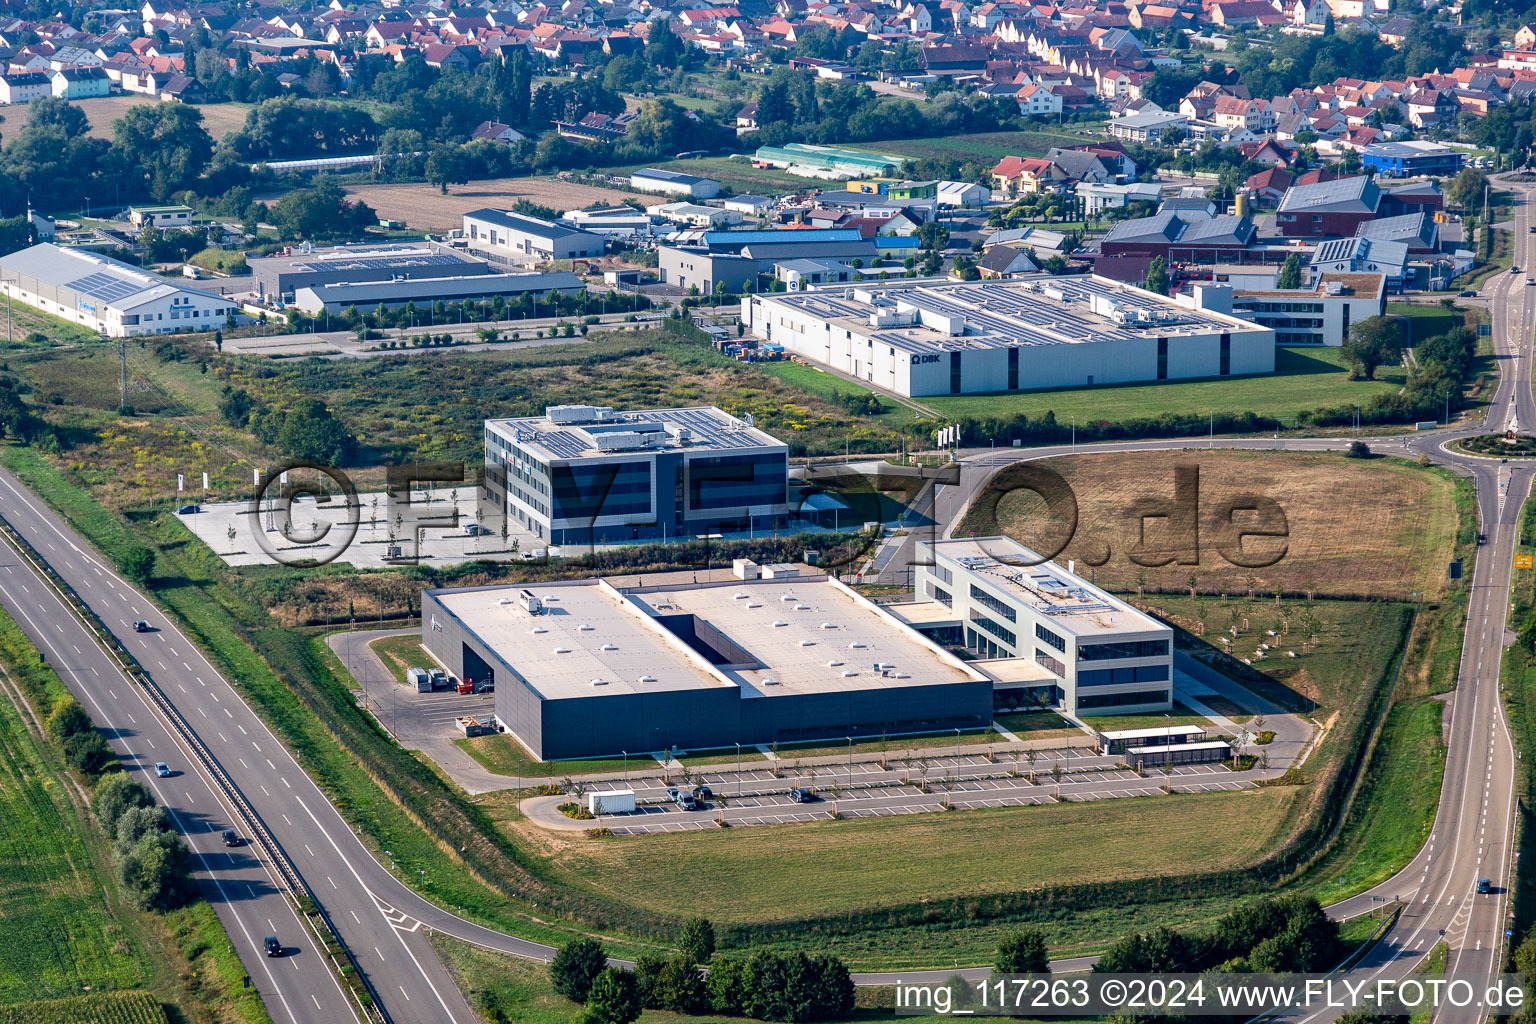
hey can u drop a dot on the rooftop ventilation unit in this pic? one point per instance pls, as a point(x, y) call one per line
point(610, 647)
point(856, 646)
point(780, 622)
point(531, 602)
point(647, 679)
point(540, 629)
point(568, 415)
point(599, 682)
point(739, 596)
point(807, 643)
point(585, 628)
point(754, 604)
point(770, 682)
point(786, 597)
point(802, 607)
point(849, 672)
point(562, 650)
point(834, 663)
point(829, 625)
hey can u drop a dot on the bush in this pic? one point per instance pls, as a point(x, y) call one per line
point(156, 872)
point(1023, 952)
point(137, 564)
point(698, 940)
point(576, 967)
point(1358, 450)
point(614, 999)
point(116, 795)
point(68, 719)
point(88, 753)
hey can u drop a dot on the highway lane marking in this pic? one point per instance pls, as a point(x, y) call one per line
point(243, 764)
point(352, 912)
point(358, 878)
point(271, 765)
point(328, 878)
point(114, 695)
point(285, 782)
point(405, 993)
point(242, 729)
point(312, 853)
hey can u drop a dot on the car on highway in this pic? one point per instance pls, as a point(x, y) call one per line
point(273, 947)
point(231, 837)
point(804, 796)
point(189, 510)
point(1484, 885)
point(162, 769)
point(141, 626)
point(1514, 270)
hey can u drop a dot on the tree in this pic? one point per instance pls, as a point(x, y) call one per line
point(137, 564)
point(68, 719)
point(1358, 450)
point(1023, 952)
point(116, 795)
point(447, 166)
point(1157, 276)
point(138, 822)
point(165, 144)
point(933, 236)
point(1466, 189)
point(614, 998)
point(1290, 272)
point(698, 940)
point(1372, 342)
point(677, 986)
point(576, 966)
point(88, 753)
point(311, 431)
point(155, 872)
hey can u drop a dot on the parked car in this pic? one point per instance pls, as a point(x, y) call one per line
point(189, 510)
point(1468, 293)
point(475, 529)
point(162, 769)
point(703, 793)
point(1484, 885)
point(274, 948)
point(231, 837)
point(141, 626)
point(804, 796)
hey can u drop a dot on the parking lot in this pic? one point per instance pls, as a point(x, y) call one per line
point(865, 789)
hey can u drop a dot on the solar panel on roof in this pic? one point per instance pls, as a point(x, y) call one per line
point(105, 287)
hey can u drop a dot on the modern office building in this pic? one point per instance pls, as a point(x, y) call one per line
point(585, 668)
point(586, 475)
point(427, 291)
point(1048, 332)
point(513, 237)
point(1318, 315)
point(735, 258)
point(1065, 640)
point(107, 295)
point(1361, 255)
point(279, 276)
point(1400, 159)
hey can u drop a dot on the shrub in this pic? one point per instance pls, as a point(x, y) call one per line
point(88, 753)
point(698, 940)
point(116, 795)
point(614, 999)
point(1023, 952)
point(137, 564)
point(576, 966)
point(68, 719)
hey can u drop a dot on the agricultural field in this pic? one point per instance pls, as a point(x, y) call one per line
point(98, 1008)
point(1304, 379)
point(219, 119)
point(1359, 526)
point(58, 936)
point(423, 207)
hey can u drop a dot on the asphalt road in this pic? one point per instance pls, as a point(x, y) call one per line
point(384, 922)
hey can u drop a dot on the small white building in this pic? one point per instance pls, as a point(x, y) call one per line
point(161, 217)
point(24, 86)
point(614, 221)
point(752, 206)
point(963, 194)
point(652, 180)
point(695, 215)
point(107, 295)
point(1101, 195)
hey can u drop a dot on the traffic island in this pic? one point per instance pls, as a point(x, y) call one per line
point(1498, 446)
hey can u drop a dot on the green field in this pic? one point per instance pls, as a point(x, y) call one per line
point(58, 936)
point(1304, 379)
point(97, 1008)
point(740, 875)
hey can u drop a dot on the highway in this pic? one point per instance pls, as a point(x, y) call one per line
point(384, 922)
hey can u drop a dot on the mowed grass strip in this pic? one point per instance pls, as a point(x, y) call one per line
point(772, 873)
point(1395, 808)
point(1304, 379)
point(1382, 527)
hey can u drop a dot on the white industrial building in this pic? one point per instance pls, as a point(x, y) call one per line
point(107, 295)
point(1040, 631)
point(516, 238)
point(1048, 332)
point(671, 182)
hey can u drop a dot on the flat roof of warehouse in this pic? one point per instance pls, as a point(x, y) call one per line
point(800, 636)
point(1003, 314)
point(708, 428)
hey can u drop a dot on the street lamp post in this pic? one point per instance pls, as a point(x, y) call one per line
point(626, 765)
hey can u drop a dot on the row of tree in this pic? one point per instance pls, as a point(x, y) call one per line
point(153, 864)
point(1278, 934)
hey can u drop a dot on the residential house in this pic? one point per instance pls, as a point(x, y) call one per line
point(24, 86)
point(81, 83)
point(1004, 261)
point(1016, 175)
